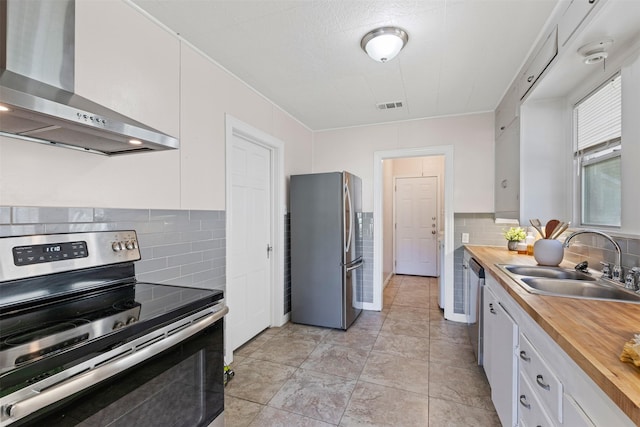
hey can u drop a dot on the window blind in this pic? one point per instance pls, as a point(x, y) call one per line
point(599, 116)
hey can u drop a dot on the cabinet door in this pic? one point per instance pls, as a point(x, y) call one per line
point(128, 63)
point(502, 374)
point(507, 172)
point(506, 111)
point(575, 14)
point(574, 416)
point(489, 302)
point(543, 58)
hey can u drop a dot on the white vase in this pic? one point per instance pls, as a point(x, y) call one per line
point(548, 252)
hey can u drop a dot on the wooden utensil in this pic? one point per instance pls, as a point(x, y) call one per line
point(550, 228)
point(537, 225)
point(554, 233)
point(560, 229)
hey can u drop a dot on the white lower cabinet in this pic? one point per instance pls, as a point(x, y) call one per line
point(544, 383)
point(574, 416)
point(530, 411)
point(500, 362)
point(533, 381)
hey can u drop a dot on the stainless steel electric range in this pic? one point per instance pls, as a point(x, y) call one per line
point(82, 342)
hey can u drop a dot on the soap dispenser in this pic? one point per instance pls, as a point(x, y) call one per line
point(529, 241)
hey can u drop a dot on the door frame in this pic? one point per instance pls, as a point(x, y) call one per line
point(447, 275)
point(234, 126)
point(395, 218)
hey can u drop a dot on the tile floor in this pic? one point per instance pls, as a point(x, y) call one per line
point(404, 366)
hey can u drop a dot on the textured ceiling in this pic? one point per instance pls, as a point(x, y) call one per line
point(305, 55)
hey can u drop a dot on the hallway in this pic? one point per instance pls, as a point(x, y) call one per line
point(404, 366)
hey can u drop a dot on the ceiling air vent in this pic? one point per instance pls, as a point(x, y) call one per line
point(389, 105)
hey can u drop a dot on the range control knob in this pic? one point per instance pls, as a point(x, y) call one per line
point(118, 325)
point(116, 246)
point(130, 244)
point(131, 320)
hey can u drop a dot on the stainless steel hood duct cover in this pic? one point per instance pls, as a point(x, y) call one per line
point(37, 85)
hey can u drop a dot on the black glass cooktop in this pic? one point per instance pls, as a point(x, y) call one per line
point(70, 326)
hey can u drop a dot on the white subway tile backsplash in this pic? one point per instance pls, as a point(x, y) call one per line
point(180, 247)
point(21, 230)
point(5, 215)
point(36, 215)
point(169, 250)
point(121, 215)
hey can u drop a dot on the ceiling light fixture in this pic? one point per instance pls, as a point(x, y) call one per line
point(595, 52)
point(383, 44)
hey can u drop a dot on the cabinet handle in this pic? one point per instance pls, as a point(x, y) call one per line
point(503, 183)
point(530, 78)
point(501, 127)
point(592, 1)
point(491, 309)
point(523, 356)
point(523, 401)
point(541, 383)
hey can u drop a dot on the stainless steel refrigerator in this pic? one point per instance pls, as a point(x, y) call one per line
point(326, 249)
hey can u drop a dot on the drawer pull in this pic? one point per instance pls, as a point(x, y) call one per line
point(541, 383)
point(523, 356)
point(523, 401)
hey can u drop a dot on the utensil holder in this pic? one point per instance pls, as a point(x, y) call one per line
point(548, 252)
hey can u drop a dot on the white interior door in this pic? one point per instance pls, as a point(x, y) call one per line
point(249, 276)
point(416, 228)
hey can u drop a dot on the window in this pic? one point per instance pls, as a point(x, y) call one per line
point(597, 120)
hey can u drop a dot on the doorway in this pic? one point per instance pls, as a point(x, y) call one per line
point(415, 227)
point(446, 274)
point(255, 233)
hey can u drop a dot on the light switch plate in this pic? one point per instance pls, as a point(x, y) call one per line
point(465, 237)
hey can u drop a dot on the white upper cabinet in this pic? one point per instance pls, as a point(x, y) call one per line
point(507, 110)
point(128, 63)
point(572, 17)
point(543, 58)
point(507, 172)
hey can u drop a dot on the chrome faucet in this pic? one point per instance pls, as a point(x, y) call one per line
point(617, 268)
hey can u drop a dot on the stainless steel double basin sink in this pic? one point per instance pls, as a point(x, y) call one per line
point(556, 281)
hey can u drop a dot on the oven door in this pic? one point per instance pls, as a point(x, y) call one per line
point(179, 386)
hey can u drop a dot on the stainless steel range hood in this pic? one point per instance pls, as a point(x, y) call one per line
point(37, 55)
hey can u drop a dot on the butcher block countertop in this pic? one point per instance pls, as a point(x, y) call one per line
point(591, 332)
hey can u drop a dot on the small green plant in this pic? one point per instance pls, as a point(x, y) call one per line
point(515, 234)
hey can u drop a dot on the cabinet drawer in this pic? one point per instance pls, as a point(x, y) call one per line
point(543, 381)
point(530, 411)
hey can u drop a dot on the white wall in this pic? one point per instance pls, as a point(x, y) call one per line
point(472, 137)
point(631, 146)
point(192, 177)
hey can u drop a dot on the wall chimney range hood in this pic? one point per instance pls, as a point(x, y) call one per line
point(37, 60)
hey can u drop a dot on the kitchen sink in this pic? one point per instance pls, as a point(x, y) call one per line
point(556, 281)
point(548, 272)
point(580, 289)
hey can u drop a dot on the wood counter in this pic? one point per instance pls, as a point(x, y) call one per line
point(591, 332)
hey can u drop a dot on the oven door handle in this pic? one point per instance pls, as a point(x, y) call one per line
point(78, 383)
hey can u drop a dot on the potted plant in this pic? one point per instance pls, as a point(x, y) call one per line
point(513, 236)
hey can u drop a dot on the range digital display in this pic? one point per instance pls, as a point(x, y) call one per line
point(38, 254)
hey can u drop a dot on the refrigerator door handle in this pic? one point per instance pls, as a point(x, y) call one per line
point(347, 246)
point(354, 266)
